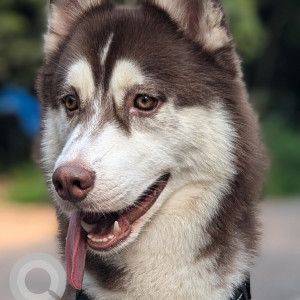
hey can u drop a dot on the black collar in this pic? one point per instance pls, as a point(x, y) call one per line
point(80, 295)
point(242, 293)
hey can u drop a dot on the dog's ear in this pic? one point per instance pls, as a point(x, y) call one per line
point(62, 16)
point(202, 20)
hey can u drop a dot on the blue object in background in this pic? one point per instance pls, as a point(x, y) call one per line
point(17, 101)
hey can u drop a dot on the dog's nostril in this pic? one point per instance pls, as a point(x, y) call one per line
point(77, 184)
point(58, 185)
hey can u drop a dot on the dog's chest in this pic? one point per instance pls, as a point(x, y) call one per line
point(163, 266)
point(163, 283)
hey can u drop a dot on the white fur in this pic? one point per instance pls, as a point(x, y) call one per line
point(105, 50)
point(56, 131)
point(81, 78)
point(126, 74)
point(179, 217)
point(213, 32)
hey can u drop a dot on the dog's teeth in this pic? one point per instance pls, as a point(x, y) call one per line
point(104, 240)
point(116, 228)
point(88, 227)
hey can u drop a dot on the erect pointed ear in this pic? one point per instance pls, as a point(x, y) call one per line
point(62, 16)
point(202, 20)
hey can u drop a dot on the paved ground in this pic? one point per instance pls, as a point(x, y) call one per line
point(276, 275)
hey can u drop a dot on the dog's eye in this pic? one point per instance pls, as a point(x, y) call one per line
point(144, 102)
point(71, 103)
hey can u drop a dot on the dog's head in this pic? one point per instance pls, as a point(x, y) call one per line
point(138, 103)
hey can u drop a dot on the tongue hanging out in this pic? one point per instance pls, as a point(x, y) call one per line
point(75, 251)
point(102, 232)
point(99, 232)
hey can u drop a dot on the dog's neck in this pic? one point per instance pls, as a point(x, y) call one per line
point(175, 257)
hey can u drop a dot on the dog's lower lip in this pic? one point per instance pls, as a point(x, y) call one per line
point(105, 232)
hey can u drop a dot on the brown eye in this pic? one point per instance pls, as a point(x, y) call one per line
point(71, 103)
point(144, 102)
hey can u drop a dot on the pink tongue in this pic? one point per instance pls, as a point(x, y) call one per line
point(75, 252)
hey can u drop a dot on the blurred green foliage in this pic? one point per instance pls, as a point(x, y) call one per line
point(22, 23)
point(284, 144)
point(28, 184)
point(248, 30)
point(266, 33)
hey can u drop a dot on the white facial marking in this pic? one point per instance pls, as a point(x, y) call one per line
point(56, 129)
point(73, 147)
point(125, 75)
point(80, 76)
point(105, 50)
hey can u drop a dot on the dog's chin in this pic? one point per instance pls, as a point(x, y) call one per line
point(109, 233)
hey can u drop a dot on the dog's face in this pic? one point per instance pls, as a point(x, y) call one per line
point(135, 108)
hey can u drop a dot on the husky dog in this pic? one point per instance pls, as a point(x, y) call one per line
point(150, 149)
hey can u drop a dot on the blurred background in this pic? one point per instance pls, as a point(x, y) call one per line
point(267, 35)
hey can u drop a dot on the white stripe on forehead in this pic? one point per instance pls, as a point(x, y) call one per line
point(125, 75)
point(80, 76)
point(105, 50)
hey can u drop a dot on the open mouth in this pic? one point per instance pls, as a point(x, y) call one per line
point(102, 232)
point(105, 231)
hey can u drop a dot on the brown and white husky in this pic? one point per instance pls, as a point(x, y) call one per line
point(150, 149)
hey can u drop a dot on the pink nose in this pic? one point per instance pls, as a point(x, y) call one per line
point(73, 183)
